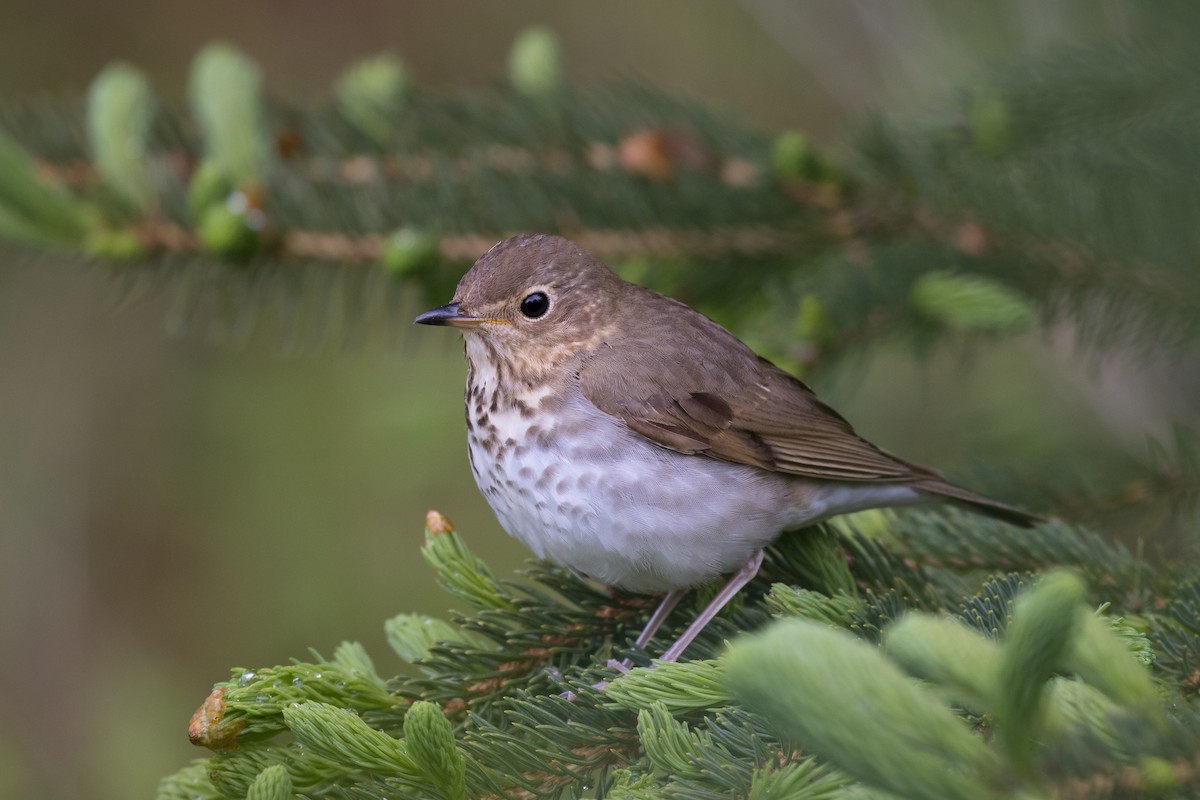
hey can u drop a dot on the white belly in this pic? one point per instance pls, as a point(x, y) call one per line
point(633, 515)
point(592, 496)
point(608, 503)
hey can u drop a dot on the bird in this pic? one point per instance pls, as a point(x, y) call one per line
point(629, 438)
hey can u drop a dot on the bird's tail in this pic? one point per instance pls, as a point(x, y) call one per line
point(981, 504)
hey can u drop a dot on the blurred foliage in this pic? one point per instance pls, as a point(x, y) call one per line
point(1058, 186)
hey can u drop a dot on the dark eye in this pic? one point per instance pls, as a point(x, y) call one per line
point(535, 305)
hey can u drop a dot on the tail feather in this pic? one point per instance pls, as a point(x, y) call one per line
point(981, 504)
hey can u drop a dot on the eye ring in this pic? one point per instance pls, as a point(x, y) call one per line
point(535, 305)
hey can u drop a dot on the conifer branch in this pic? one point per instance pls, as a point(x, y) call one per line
point(997, 215)
point(1062, 690)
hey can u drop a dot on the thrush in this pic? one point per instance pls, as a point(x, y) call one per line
point(626, 436)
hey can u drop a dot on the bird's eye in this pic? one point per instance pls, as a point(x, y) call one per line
point(535, 305)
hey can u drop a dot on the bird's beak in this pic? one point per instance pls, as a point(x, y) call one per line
point(450, 315)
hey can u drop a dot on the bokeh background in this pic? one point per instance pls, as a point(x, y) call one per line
point(172, 506)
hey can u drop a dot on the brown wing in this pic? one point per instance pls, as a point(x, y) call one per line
point(741, 409)
point(723, 401)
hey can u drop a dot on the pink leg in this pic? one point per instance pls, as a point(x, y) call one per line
point(669, 601)
point(735, 584)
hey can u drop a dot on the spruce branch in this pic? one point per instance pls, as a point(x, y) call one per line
point(676, 687)
point(190, 783)
point(1175, 634)
point(1052, 189)
point(781, 673)
point(1059, 700)
point(949, 539)
point(273, 783)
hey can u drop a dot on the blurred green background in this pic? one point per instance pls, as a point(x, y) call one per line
point(173, 507)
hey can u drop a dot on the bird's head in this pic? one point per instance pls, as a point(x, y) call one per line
point(537, 299)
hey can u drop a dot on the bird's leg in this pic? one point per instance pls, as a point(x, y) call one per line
point(669, 601)
point(731, 588)
point(665, 607)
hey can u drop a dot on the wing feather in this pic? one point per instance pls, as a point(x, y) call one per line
point(727, 403)
point(742, 409)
